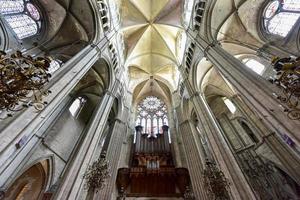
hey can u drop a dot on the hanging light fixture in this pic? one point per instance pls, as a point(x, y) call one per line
point(97, 174)
point(288, 80)
point(215, 182)
point(22, 79)
point(188, 194)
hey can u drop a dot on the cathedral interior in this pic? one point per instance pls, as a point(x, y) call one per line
point(149, 99)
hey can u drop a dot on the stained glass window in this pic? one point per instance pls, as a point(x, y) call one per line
point(188, 9)
point(22, 16)
point(34, 13)
point(11, 6)
point(23, 25)
point(76, 106)
point(54, 65)
point(281, 16)
point(152, 115)
point(254, 65)
point(229, 105)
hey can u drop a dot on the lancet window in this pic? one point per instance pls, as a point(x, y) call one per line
point(54, 66)
point(280, 16)
point(254, 65)
point(77, 106)
point(249, 132)
point(152, 115)
point(22, 16)
point(231, 107)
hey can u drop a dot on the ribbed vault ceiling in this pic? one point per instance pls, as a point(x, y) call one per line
point(152, 32)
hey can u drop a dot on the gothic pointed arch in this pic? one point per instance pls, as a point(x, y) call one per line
point(23, 17)
point(152, 114)
point(280, 17)
point(31, 184)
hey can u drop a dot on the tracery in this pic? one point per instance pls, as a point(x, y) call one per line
point(281, 16)
point(22, 16)
point(77, 105)
point(254, 65)
point(152, 115)
point(54, 66)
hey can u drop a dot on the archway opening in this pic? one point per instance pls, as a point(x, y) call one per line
point(31, 184)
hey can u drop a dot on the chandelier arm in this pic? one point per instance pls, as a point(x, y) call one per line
point(22, 81)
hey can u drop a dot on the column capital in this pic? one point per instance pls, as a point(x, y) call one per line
point(195, 94)
point(268, 135)
point(126, 107)
point(190, 88)
point(120, 121)
point(185, 78)
point(95, 46)
point(176, 107)
point(185, 122)
point(264, 138)
point(235, 96)
point(212, 44)
point(109, 93)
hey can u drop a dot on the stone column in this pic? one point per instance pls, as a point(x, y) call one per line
point(283, 152)
point(29, 122)
point(194, 157)
point(231, 135)
point(72, 185)
point(178, 160)
point(256, 91)
point(113, 156)
point(220, 150)
point(181, 153)
point(11, 169)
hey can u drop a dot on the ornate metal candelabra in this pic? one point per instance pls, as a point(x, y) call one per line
point(288, 80)
point(122, 195)
point(266, 183)
point(188, 194)
point(22, 79)
point(97, 174)
point(215, 182)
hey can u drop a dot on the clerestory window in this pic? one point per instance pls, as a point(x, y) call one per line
point(54, 66)
point(77, 106)
point(152, 115)
point(231, 107)
point(254, 65)
point(22, 16)
point(280, 16)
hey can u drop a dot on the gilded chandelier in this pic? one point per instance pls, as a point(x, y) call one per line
point(97, 174)
point(215, 182)
point(22, 79)
point(288, 80)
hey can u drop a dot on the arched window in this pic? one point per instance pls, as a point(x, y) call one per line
point(187, 14)
point(76, 106)
point(54, 65)
point(104, 15)
point(281, 15)
point(22, 16)
point(249, 132)
point(152, 115)
point(31, 184)
point(199, 13)
point(254, 65)
point(231, 107)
